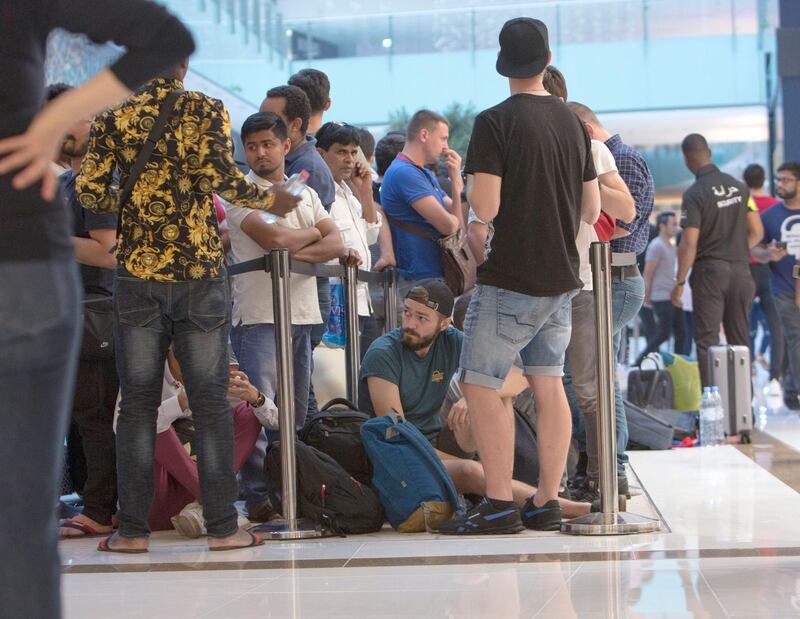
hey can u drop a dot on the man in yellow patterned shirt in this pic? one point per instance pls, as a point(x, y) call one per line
point(171, 288)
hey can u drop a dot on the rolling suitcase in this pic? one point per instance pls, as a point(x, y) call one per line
point(730, 371)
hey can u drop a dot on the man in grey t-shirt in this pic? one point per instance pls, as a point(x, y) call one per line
point(661, 261)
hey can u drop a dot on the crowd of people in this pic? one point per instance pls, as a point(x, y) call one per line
point(175, 425)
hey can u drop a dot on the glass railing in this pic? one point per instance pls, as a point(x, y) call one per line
point(320, 30)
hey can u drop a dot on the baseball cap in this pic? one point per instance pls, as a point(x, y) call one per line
point(434, 294)
point(524, 48)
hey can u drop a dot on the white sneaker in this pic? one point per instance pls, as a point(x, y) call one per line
point(773, 389)
point(190, 522)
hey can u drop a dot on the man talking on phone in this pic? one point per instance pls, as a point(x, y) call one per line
point(411, 195)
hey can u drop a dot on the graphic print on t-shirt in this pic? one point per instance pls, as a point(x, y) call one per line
point(790, 234)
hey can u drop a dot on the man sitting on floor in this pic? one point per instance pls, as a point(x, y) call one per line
point(409, 371)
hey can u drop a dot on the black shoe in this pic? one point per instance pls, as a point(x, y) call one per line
point(587, 492)
point(792, 401)
point(483, 519)
point(544, 518)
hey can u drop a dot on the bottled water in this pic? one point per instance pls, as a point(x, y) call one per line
point(719, 417)
point(711, 418)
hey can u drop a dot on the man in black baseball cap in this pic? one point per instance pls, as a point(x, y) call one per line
point(524, 48)
point(522, 304)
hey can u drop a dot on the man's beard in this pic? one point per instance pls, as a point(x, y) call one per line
point(787, 195)
point(266, 170)
point(72, 148)
point(418, 344)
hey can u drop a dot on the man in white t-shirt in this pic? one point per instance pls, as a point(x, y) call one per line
point(353, 208)
point(311, 236)
point(580, 379)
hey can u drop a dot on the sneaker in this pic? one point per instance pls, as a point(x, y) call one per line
point(544, 518)
point(190, 522)
point(773, 389)
point(622, 486)
point(483, 519)
point(586, 493)
point(792, 401)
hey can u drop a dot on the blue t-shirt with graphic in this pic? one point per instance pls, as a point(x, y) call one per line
point(783, 225)
point(403, 184)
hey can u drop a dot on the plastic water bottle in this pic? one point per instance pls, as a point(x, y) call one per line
point(707, 414)
point(719, 417)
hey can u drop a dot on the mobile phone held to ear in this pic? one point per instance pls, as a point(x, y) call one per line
point(362, 159)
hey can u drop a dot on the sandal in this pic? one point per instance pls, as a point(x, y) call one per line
point(104, 547)
point(85, 529)
point(255, 540)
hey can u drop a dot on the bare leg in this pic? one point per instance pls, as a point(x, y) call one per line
point(553, 432)
point(493, 430)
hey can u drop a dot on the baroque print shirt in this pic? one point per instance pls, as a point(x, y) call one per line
point(168, 227)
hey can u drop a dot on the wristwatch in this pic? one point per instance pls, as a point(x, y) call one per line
point(259, 400)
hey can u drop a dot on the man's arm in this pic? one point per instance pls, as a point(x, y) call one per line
point(330, 246)
point(687, 252)
point(94, 183)
point(385, 396)
point(477, 233)
point(483, 195)
point(431, 210)
point(271, 236)
point(452, 161)
point(590, 202)
point(387, 258)
point(95, 251)
point(361, 184)
point(615, 198)
point(620, 232)
point(224, 177)
point(649, 273)
point(755, 229)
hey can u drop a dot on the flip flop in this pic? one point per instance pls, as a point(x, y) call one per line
point(255, 540)
point(85, 529)
point(104, 547)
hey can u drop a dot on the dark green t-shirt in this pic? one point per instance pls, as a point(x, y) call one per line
point(422, 381)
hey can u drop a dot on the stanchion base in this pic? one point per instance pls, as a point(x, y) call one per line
point(620, 523)
point(280, 529)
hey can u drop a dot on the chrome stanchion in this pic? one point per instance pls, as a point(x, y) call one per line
point(390, 286)
point(353, 346)
point(609, 521)
point(290, 527)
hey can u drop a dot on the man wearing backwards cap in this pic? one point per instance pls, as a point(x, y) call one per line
point(530, 172)
point(409, 371)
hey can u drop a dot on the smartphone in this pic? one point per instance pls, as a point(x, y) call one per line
point(362, 159)
point(780, 245)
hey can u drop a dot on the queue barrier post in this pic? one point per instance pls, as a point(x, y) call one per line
point(609, 521)
point(353, 345)
point(390, 290)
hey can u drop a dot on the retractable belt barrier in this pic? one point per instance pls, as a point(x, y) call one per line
point(609, 521)
point(279, 266)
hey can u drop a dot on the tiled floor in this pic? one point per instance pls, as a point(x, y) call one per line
point(731, 549)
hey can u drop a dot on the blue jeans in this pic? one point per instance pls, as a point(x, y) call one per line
point(39, 341)
point(254, 346)
point(195, 317)
point(627, 297)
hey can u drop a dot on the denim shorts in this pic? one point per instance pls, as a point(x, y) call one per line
point(502, 324)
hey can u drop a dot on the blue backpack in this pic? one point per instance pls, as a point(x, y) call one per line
point(408, 476)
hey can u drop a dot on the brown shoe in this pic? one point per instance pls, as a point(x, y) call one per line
point(262, 512)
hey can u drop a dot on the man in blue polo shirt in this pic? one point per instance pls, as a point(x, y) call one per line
point(781, 248)
point(415, 203)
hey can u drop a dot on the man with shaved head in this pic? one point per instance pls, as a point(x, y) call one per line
point(721, 225)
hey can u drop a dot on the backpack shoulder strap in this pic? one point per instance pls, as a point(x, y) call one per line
point(409, 228)
point(147, 150)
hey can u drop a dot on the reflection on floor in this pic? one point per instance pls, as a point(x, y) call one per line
point(731, 549)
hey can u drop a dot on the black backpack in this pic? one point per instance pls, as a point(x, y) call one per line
point(336, 431)
point(326, 494)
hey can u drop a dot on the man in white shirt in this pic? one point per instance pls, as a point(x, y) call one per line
point(311, 236)
point(353, 208)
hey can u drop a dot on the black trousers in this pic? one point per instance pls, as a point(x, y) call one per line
point(668, 322)
point(722, 293)
point(93, 413)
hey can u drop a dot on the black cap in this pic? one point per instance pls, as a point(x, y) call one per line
point(524, 48)
point(433, 293)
